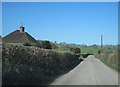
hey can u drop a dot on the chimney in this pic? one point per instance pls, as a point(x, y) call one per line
point(21, 29)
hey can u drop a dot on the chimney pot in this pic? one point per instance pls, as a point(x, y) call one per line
point(21, 29)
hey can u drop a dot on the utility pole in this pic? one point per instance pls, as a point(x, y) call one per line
point(101, 42)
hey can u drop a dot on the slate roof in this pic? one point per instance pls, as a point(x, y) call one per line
point(19, 37)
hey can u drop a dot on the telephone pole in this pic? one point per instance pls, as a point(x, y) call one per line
point(101, 42)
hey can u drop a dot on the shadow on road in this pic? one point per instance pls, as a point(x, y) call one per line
point(63, 72)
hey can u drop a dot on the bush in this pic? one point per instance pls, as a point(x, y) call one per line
point(54, 46)
point(99, 52)
point(27, 44)
point(32, 44)
point(75, 50)
point(46, 45)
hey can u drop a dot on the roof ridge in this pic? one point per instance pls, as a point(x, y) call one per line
point(11, 33)
point(31, 38)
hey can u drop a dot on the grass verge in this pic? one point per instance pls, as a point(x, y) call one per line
point(109, 65)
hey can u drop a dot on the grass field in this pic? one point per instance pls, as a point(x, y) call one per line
point(109, 56)
point(89, 50)
point(84, 50)
point(61, 50)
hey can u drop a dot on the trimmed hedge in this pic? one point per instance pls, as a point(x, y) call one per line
point(23, 64)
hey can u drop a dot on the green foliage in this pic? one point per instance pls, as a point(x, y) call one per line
point(75, 50)
point(109, 56)
point(54, 46)
point(27, 44)
point(31, 69)
point(7, 64)
point(91, 50)
point(99, 52)
point(29, 63)
point(61, 47)
point(31, 44)
point(110, 65)
point(71, 49)
point(17, 70)
point(46, 45)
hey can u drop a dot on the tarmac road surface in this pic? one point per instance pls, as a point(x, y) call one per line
point(89, 72)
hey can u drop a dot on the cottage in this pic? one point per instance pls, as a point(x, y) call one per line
point(19, 36)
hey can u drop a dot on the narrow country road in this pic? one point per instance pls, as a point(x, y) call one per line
point(89, 72)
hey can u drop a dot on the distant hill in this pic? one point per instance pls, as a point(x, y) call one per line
point(63, 43)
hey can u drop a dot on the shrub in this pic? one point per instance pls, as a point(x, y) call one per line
point(71, 49)
point(98, 51)
point(54, 46)
point(46, 45)
point(32, 44)
point(75, 50)
point(27, 44)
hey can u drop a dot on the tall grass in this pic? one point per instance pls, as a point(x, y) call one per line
point(110, 57)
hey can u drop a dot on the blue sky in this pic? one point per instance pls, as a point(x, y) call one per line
point(71, 22)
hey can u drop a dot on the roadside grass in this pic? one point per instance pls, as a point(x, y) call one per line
point(108, 59)
point(109, 65)
point(104, 60)
point(109, 56)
